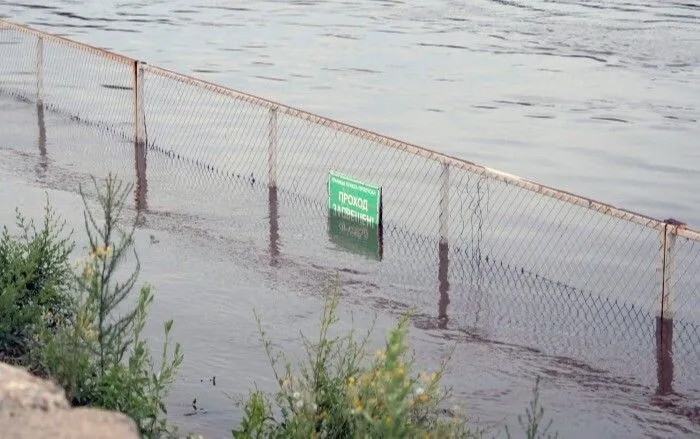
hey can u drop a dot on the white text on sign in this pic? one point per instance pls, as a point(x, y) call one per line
point(360, 203)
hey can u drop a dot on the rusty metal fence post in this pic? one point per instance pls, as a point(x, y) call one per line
point(668, 236)
point(272, 149)
point(140, 139)
point(664, 278)
point(664, 319)
point(40, 71)
point(443, 245)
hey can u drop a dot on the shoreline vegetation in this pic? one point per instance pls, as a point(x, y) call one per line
point(81, 326)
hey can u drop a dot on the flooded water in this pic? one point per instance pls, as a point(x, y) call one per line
point(605, 372)
point(596, 97)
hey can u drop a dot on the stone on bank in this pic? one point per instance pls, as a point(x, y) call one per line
point(31, 407)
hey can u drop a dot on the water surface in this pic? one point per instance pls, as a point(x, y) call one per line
point(596, 97)
point(212, 264)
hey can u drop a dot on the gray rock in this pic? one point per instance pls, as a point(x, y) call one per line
point(31, 407)
point(20, 390)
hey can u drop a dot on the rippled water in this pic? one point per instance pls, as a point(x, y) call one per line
point(596, 97)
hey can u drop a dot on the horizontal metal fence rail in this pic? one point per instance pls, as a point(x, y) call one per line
point(44, 36)
point(492, 215)
point(428, 154)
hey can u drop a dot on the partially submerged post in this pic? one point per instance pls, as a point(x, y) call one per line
point(443, 246)
point(140, 140)
point(272, 186)
point(443, 283)
point(664, 318)
point(42, 137)
point(664, 356)
point(274, 225)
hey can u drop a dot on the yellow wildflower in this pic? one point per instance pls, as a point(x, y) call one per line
point(101, 252)
point(357, 405)
point(87, 271)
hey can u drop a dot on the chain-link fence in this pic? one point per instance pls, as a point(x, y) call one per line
point(574, 241)
point(475, 230)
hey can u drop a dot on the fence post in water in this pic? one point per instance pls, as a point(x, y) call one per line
point(664, 356)
point(443, 246)
point(274, 225)
point(139, 138)
point(42, 133)
point(664, 320)
point(443, 283)
point(40, 71)
point(272, 149)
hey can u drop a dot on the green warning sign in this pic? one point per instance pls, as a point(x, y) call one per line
point(354, 199)
point(355, 215)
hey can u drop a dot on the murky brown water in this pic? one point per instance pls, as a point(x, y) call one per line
point(225, 248)
point(597, 97)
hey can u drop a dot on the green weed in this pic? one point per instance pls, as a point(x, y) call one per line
point(100, 358)
point(35, 284)
point(340, 391)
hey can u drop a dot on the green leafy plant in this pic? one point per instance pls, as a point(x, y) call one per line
point(101, 358)
point(339, 391)
point(35, 283)
point(532, 421)
point(258, 414)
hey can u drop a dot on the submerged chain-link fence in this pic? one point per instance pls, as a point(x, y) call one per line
point(483, 220)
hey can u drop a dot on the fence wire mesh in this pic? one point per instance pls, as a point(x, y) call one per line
point(683, 265)
point(87, 84)
point(474, 234)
